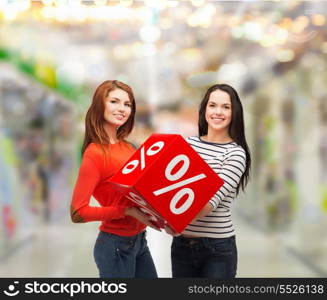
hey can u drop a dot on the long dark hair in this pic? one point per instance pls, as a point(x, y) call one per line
point(236, 127)
point(94, 120)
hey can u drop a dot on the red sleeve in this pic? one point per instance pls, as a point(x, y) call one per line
point(88, 178)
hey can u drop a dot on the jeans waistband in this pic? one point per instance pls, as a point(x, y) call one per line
point(200, 240)
point(122, 237)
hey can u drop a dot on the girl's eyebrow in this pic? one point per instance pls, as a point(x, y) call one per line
point(212, 102)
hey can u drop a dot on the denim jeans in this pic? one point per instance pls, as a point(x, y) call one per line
point(204, 257)
point(123, 256)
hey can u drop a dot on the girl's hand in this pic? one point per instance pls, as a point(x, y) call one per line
point(171, 231)
point(140, 216)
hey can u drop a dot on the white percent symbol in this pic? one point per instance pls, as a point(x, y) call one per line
point(136, 198)
point(143, 206)
point(176, 176)
point(153, 150)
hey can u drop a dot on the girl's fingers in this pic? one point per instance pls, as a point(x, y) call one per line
point(170, 231)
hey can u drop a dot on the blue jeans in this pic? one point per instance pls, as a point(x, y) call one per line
point(204, 257)
point(123, 256)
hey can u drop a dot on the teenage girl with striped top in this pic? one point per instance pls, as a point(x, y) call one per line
point(207, 247)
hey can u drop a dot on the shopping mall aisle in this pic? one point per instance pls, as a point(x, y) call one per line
point(66, 251)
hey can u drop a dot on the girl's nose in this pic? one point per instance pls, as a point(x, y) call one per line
point(218, 110)
point(121, 107)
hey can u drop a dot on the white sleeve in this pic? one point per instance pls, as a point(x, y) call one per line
point(230, 172)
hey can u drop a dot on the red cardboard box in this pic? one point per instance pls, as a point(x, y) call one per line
point(168, 180)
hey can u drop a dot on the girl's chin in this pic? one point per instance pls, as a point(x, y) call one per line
point(219, 128)
point(119, 122)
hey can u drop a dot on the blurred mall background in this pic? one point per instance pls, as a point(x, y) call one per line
point(54, 53)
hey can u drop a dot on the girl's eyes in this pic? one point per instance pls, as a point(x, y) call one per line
point(226, 107)
point(116, 101)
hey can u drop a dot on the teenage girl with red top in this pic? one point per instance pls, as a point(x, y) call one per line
point(121, 248)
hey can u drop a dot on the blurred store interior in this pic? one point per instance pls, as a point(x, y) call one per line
point(53, 53)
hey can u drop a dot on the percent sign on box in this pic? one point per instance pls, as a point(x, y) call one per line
point(168, 180)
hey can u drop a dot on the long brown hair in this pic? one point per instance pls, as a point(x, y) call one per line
point(236, 128)
point(94, 120)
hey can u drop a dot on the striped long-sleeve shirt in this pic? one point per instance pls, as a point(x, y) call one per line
point(228, 161)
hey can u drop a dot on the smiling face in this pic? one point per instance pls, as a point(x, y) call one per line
point(218, 112)
point(118, 107)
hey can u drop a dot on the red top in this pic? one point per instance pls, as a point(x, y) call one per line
point(93, 179)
